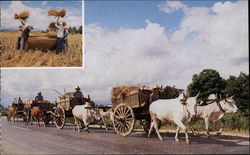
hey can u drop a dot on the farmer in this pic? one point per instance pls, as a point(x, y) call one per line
point(25, 36)
point(60, 40)
point(39, 97)
point(78, 93)
point(65, 36)
point(20, 29)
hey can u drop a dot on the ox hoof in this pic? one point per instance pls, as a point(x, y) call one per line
point(177, 141)
point(218, 133)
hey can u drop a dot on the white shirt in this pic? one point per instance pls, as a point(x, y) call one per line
point(59, 31)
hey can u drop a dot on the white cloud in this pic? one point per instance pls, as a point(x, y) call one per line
point(38, 17)
point(206, 39)
point(44, 3)
point(172, 6)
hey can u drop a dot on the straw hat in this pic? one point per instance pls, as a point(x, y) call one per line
point(77, 88)
point(39, 93)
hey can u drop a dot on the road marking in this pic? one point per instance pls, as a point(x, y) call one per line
point(19, 127)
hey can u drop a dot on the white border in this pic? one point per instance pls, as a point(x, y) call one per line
point(47, 67)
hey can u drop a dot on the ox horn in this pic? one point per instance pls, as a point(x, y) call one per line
point(197, 95)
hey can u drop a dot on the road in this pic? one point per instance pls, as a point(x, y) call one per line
point(18, 138)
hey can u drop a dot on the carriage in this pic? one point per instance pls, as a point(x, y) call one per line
point(130, 104)
point(45, 106)
point(19, 110)
point(64, 106)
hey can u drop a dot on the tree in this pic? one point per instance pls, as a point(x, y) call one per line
point(80, 30)
point(239, 87)
point(207, 82)
point(170, 92)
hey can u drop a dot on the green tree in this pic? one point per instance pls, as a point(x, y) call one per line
point(170, 92)
point(80, 30)
point(239, 87)
point(207, 82)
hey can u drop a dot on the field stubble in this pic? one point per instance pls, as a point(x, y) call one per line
point(11, 57)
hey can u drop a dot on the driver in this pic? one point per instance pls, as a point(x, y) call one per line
point(39, 96)
point(78, 93)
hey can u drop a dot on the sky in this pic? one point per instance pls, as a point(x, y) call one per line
point(162, 42)
point(38, 13)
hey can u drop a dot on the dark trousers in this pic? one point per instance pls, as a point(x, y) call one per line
point(59, 45)
point(18, 43)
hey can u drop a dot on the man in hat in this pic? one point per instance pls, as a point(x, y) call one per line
point(39, 97)
point(25, 36)
point(60, 38)
point(78, 93)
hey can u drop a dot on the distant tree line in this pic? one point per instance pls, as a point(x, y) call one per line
point(72, 30)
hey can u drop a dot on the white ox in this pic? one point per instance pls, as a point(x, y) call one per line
point(179, 111)
point(214, 111)
point(85, 113)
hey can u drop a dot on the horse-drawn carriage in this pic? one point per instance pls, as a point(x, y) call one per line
point(44, 106)
point(17, 112)
point(64, 106)
point(130, 104)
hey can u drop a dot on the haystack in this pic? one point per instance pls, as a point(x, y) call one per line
point(23, 15)
point(118, 92)
point(57, 13)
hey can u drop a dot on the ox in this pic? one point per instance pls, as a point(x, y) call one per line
point(106, 115)
point(214, 111)
point(36, 115)
point(179, 111)
point(11, 112)
point(85, 113)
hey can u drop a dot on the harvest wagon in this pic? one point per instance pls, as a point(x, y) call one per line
point(64, 106)
point(19, 110)
point(45, 106)
point(130, 104)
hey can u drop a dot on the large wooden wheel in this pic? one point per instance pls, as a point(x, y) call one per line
point(59, 117)
point(123, 119)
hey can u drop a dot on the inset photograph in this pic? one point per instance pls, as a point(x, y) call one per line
point(41, 34)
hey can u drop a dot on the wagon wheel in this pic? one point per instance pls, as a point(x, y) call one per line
point(145, 124)
point(123, 119)
point(26, 116)
point(59, 117)
point(47, 118)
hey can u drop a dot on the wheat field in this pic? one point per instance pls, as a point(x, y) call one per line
point(11, 57)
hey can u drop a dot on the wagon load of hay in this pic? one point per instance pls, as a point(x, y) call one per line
point(121, 91)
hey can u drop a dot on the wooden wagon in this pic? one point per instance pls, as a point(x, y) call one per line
point(20, 113)
point(45, 106)
point(130, 104)
point(64, 106)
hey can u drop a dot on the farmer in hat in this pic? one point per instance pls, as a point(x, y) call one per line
point(25, 36)
point(78, 93)
point(65, 36)
point(60, 38)
point(39, 96)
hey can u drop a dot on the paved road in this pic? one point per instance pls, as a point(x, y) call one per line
point(18, 138)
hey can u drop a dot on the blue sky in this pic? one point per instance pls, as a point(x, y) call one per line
point(132, 14)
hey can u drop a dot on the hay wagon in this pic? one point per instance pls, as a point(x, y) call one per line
point(45, 106)
point(130, 104)
point(64, 106)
